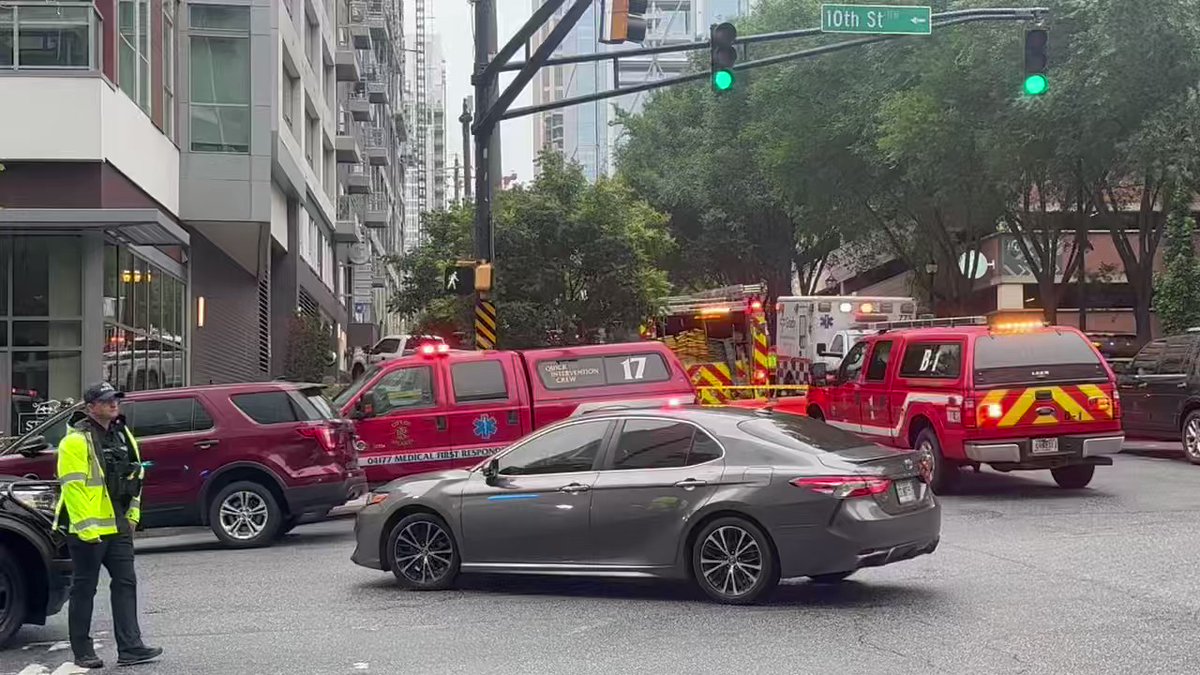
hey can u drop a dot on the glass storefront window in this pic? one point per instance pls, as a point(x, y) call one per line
point(112, 282)
point(125, 286)
point(144, 346)
point(54, 375)
point(46, 276)
point(47, 334)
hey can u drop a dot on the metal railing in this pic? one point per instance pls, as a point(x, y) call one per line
point(50, 36)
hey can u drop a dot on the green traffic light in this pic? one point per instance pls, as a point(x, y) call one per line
point(723, 80)
point(1036, 85)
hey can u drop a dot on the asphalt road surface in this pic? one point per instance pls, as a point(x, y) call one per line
point(1029, 579)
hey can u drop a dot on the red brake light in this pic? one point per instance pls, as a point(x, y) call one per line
point(323, 435)
point(845, 487)
point(756, 305)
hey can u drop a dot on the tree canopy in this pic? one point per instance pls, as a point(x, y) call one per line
point(574, 261)
point(917, 149)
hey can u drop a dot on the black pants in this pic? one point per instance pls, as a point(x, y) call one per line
point(116, 555)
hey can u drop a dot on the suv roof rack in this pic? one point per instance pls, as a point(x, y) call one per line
point(948, 322)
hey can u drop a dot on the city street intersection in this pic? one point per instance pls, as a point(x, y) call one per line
point(1028, 579)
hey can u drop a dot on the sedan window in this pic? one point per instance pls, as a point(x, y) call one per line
point(566, 449)
point(653, 444)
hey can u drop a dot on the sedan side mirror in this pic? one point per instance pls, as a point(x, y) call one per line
point(491, 471)
point(33, 446)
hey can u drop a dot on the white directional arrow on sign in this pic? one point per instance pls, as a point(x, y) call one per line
point(917, 20)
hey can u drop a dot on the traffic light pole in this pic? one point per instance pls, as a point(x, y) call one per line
point(492, 106)
point(942, 20)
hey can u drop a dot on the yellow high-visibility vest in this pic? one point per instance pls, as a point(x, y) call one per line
point(84, 493)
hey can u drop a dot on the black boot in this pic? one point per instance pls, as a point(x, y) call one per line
point(139, 655)
point(90, 662)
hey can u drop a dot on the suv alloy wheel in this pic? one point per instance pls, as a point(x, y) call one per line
point(245, 514)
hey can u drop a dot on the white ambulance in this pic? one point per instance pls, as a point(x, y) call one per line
point(822, 328)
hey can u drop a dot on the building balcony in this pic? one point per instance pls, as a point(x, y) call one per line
point(359, 107)
point(346, 64)
point(50, 36)
point(346, 146)
point(377, 146)
point(378, 212)
point(348, 231)
point(346, 149)
point(377, 92)
point(358, 182)
point(374, 15)
point(360, 36)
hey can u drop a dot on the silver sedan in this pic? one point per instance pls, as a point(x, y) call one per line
point(730, 499)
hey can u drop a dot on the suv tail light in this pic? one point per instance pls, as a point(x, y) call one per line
point(845, 487)
point(969, 413)
point(323, 434)
point(1116, 404)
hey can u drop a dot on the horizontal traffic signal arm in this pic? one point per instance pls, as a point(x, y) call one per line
point(942, 19)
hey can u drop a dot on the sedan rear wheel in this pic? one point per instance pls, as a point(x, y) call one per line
point(733, 563)
point(1191, 437)
point(422, 553)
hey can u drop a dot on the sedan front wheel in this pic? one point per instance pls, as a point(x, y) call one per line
point(422, 553)
point(733, 563)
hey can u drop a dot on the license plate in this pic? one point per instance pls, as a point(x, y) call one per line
point(1045, 446)
point(906, 491)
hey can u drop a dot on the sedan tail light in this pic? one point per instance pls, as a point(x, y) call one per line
point(323, 435)
point(845, 487)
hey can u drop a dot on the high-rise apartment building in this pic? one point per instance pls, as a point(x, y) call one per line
point(187, 178)
point(425, 108)
point(589, 133)
point(94, 259)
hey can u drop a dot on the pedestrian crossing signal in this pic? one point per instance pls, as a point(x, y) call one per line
point(458, 280)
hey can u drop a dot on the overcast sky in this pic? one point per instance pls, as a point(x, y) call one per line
point(454, 24)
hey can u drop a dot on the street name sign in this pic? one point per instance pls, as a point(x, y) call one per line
point(877, 19)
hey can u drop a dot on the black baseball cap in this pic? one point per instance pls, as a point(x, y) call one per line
point(102, 391)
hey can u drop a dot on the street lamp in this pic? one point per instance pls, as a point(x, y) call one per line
point(931, 268)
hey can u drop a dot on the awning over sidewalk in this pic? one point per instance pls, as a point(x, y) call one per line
point(141, 227)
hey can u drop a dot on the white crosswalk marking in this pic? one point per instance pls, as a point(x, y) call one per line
point(68, 668)
point(35, 669)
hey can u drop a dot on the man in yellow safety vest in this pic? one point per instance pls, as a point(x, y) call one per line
point(101, 472)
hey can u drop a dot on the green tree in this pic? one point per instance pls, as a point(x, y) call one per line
point(574, 261)
point(1178, 286)
point(311, 348)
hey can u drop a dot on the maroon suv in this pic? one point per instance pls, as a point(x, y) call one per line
point(248, 460)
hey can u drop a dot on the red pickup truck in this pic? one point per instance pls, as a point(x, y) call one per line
point(1014, 395)
point(443, 409)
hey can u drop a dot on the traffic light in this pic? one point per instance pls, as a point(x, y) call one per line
point(624, 21)
point(721, 39)
point(1037, 41)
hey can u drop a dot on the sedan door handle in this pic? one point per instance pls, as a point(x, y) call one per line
point(574, 488)
point(204, 445)
point(691, 484)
